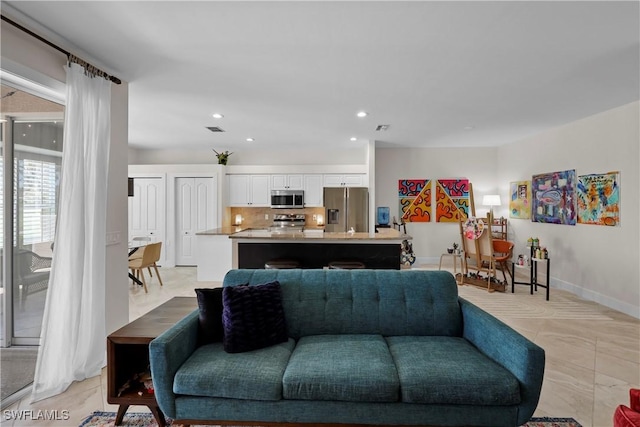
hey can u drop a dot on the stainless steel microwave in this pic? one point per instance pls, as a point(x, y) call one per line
point(282, 199)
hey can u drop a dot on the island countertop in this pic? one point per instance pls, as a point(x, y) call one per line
point(222, 231)
point(384, 235)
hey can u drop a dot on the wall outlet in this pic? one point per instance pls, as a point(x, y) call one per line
point(266, 216)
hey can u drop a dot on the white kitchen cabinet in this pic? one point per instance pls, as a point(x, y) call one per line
point(287, 182)
point(249, 190)
point(313, 191)
point(344, 180)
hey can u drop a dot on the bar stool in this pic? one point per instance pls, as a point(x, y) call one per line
point(281, 264)
point(346, 265)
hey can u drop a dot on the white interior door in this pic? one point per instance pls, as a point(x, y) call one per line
point(195, 212)
point(147, 209)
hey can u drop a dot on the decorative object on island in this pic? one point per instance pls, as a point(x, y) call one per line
point(222, 157)
point(520, 203)
point(554, 200)
point(598, 197)
point(415, 200)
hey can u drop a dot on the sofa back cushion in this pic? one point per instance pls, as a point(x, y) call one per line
point(385, 302)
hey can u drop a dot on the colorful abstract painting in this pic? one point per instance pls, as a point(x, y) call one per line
point(554, 197)
point(599, 199)
point(520, 201)
point(452, 200)
point(415, 200)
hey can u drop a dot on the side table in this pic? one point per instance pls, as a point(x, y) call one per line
point(533, 282)
point(455, 262)
point(128, 355)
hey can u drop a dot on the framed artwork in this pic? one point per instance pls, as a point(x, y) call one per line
point(554, 197)
point(452, 200)
point(415, 200)
point(598, 197)
point(520, 199)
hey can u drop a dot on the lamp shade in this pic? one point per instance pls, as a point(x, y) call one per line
point(491, 200)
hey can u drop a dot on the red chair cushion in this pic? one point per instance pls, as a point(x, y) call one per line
point(626, 417)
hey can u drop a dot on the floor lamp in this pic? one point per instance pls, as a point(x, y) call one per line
point(491, 200)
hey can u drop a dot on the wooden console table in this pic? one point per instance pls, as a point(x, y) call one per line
point(128, 355)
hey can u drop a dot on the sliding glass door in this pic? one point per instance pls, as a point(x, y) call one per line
point(31, 157)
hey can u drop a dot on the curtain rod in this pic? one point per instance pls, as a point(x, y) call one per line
point(58, 48)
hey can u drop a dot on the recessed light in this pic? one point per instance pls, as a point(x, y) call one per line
point(217, 116)
point(250, 139)
point(353, 138)
point(362, 114)
point(468, 128)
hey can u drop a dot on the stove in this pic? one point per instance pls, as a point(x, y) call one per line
point(288, 223)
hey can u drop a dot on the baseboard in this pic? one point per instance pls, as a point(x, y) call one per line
point(615, 304)
point(589, 295)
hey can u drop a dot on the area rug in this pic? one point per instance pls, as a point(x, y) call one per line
point(107, 419)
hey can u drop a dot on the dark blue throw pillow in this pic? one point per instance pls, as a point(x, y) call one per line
point(209, 315)
point(252, 317)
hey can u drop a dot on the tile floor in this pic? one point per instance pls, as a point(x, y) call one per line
point(593, 352)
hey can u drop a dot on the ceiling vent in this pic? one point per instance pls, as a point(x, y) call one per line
point(382, 127)
point(215, 129)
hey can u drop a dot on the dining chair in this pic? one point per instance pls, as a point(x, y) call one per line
point(150, 254)
point(502, 254)
point(140, 241)
point(157, 250)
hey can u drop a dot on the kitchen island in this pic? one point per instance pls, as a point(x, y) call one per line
point(252, 248)
point(214, 253)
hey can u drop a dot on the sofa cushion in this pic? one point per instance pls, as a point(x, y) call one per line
point(209, 315)
point(383, 302)
point(355, 368)
point(450, 370)
point(254, 375)
point(253, 317)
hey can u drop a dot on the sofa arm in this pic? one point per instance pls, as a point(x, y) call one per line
point(167, 353)
point(524, 359)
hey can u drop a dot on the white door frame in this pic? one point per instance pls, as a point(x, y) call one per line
point(170, 253)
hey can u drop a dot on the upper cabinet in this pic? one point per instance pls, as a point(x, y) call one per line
point(249, 190)
point(287, 182)
point(313, 190)
point(344, 180)
point(254, 190)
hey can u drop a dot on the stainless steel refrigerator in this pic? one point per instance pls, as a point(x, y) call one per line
point(346, 208)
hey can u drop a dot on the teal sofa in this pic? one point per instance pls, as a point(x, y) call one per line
point(366, 347)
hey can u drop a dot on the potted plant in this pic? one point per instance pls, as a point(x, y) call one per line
point(222, 157)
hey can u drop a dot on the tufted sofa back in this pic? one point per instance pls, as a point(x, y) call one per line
point(386, 302)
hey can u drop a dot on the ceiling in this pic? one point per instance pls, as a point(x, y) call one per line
point(294, 74)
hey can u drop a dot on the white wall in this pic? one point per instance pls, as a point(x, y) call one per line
point(28, 52)
point(596, 262)
point(393, 164)
point(246, 155)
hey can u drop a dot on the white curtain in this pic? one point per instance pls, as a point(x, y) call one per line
point(73, 337)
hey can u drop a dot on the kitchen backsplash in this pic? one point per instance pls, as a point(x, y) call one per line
point(263, 217)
